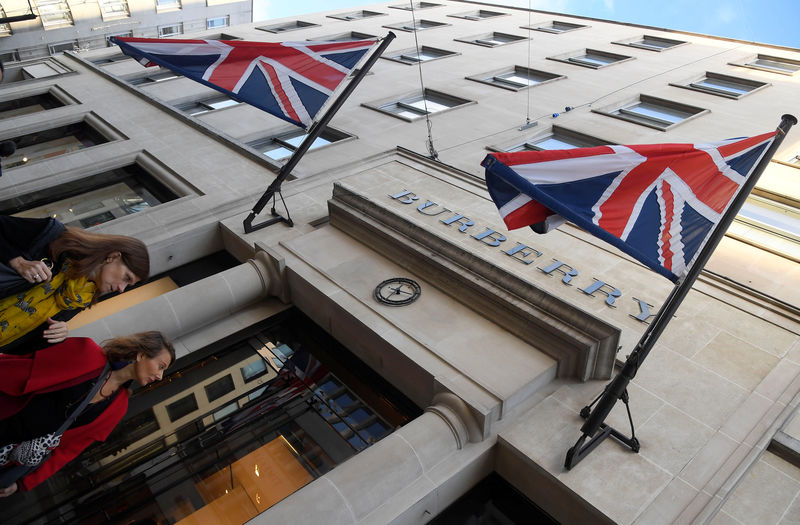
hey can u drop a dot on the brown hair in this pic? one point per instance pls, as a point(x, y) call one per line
point(127, 348)
point(87, 251)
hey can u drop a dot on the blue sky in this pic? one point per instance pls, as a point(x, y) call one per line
point(764, 21)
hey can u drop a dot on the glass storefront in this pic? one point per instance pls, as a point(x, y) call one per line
point(226, 435)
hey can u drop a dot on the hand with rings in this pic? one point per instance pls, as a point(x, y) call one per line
point(32, 271)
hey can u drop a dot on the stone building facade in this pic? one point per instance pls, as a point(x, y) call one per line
point(511, 334)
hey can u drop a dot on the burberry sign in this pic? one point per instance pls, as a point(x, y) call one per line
point(522, 253)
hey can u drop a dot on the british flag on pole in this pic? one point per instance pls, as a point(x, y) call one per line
point(291, 80)
point(659, 203)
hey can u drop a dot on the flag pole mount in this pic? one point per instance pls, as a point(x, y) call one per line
point(314, 131)
point(594, 427)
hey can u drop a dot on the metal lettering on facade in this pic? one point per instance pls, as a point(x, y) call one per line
point(523, 253)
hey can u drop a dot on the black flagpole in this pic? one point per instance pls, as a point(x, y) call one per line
point(313, 133)
point(617, 388)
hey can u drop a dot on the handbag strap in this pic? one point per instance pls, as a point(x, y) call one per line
point(101, 380)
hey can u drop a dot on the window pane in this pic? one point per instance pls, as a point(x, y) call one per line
point(774, 64)
point(219, 388)
point(182, 407)
point(659, 112)
point(723, 85)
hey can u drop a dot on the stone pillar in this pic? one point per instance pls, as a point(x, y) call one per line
point(191, 307)
point(397, 479)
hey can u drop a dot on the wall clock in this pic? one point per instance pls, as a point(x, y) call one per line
point(398, 291)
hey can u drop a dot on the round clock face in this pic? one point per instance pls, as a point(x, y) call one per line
point(398, 291)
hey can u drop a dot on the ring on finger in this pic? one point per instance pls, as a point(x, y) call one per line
point(36, 276)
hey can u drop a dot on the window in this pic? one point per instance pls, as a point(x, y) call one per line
point(219, 388)
point(54, 13)
point(417, 106)
point(220, 21)
point(182, 407)
point(163, 5)
point(356, 15)
point(591, 58)
point(481, 14)
point(42, 101)
point(5, 29)
point(95, 199)
point(516, 78)
point(655, 112)
point(773, 64)
point(555, 27)
point(491, 39)
point(350, 36)
point(278, 147)
point(160, 75)
point(209, 104)
point(417, 5)
point(28, 70)
point(651, 43)
point(723, 85)
point(114, 9)
point(558, 138)
point(420, 25)
point(9, 56)
point(52, 142)
point(253, 370)
point(425, 54)
point(109, 59)
point(287, 26)
point(60, 47)
point(170, 30)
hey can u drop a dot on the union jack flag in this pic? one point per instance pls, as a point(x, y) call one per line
point(291, 80)
point(659, 203)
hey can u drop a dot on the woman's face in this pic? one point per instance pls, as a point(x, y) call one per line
point(113, 275)
point(150, 369)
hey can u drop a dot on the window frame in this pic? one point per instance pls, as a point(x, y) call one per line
point(281, 137)
point(63, 21)
point(576, 58)
point(483, 39)
point(624, 112)
point(205, 102)
point(491, 78)
point(420, 5)
point(585, 140)
point(114, 15)
point(397, 56)
point(55, 91)
point(751, 63)
point(347, 17)
point(691, 84)
point(408, 28)
point(549, 27)
point(471, 16)
point(405, 101)
point(176, 24)
point(348, 36)
point(225, 18)
point(168, 5)
point(285, 27)
point(637, 42)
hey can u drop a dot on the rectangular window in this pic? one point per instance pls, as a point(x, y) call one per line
point(555, 26)
point(5, 29)
point(279, 147)
point(774, 64)
point(219, 388)
point(163, 5)
point(160, 75)
point(54, 13)
point(170, 30)
point(356, 15)
point(417, 106)
point(53, 98)
point(558, 138)
point(591, 58)
point(52, 142)
point(253, 370)
point(655, 112)
point(481, 14)
point(491, 39)
point(516, 78)
point(420, 25)
point(60, 47)
point(417, 5)
point(287, 26)
point(209, 104)
point(109, 59)
point(45, 67)
point(95, 199)
point(182, 407)
point(350, 36)
point(111, 9)
point(220, 21)
point(724, 85)
point(425, 54)
point(651, 43)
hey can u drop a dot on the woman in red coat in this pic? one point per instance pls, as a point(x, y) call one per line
point(39, 391)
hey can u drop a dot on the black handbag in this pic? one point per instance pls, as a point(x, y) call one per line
point(10, 281)
point(11, 475)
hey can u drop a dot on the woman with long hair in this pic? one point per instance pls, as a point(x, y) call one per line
point(49, 272)
point(56, 402)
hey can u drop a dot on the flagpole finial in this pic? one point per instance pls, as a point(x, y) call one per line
point(788, 117)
